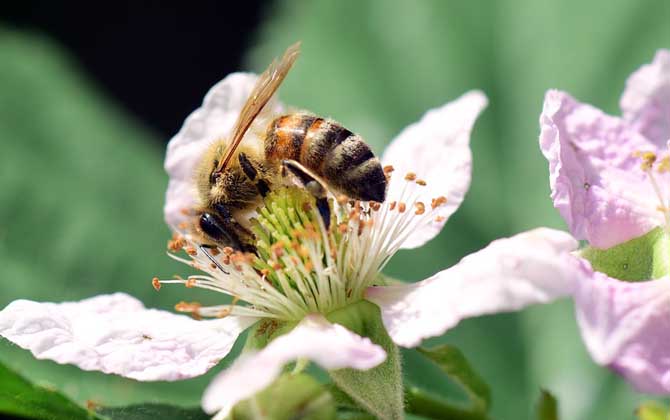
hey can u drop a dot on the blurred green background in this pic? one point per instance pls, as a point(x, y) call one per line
point(82, 184)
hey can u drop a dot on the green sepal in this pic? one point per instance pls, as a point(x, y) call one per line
point(19, 397)
point(644, 258)
point(455, 366)
point(264, 331)
point(652, 410)
point(378, 390)
point(289, 397)
point(547, 407)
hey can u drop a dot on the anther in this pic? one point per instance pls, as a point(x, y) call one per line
point(191, 251)
point(440, 219)
point(402, 207)
point(420, 208)
point(375, 205)
point(421, 182)
point(191, 282)
point(648, 159)
point(343, 227)
point(228, 250)
point(388, 169)
point(156, 283)
point(342, 199)
point(437, 202)
point(392, 205)
point(664, 165)
point(410, 176)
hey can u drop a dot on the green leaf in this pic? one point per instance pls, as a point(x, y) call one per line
point(454, 364)
point(644, 258)
point(153, 412)
point(290, 397)
point(19, 397)
point(380, 389)
point(547, 407)
point(652, 410)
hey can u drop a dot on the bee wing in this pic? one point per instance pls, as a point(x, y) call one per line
point(267, 85)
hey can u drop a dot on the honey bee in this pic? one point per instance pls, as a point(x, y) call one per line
point(319, 152)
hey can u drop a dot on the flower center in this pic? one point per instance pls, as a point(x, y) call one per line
point(300, 266)
point(649, 165)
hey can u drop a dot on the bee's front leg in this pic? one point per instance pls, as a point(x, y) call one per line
point(312, 185)
point(221, 226)
point(252, 173)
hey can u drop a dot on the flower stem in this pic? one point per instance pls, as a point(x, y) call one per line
point(421, 403)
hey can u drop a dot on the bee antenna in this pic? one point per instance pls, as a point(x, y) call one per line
point(211, 258)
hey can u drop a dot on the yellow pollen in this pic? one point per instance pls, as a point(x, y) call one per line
point(648, 159)
point(156, 283)
point(191, 251)
point(420, 208)
point(191, 282)
point(421, 182)
point(388, 169)
point(664, 165)
point(309, 266)
point(228, 250)
point(402, 207)
point(410, 176)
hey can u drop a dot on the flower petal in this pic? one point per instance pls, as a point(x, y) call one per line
point(646, 101)
point(597, 185)
point(627, 326)
point(116, 334)
point(330, 345)
point(212, 121)
point(437, 150)
point(509, 274)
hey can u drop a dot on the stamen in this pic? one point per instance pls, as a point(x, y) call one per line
point(156, 283)
point(410, 176)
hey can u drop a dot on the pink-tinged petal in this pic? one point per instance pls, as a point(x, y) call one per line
point(330, 345)
point(646, 101)
point(509, 274)
point(437, 150)
point(116, 334)
point(213, 121)
point(597, 185)
point(626, 326)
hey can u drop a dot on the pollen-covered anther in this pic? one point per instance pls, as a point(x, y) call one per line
point(648, 159)
point(191, 251)
point(276, 266)
point(410, 176)
point(440, 219)
point(156, 283)
point(437, 202)
point(392, 205)
point(306, 206)
point(176, 243)
point(228, 250)
point(663, 165)
point(402, 207)
point(375, 205)
point(388, 169)
point(214, 251)
point(309, 266)
point(421, 182)
point(190, 282)
point(188, 307)
point(420, 208)
point(343, 227)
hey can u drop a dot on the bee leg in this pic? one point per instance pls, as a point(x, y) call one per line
point(312, 185)
point(252, 174)
point(223, 228)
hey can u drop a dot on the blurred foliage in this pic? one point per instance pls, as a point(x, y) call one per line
point(81, 183)
point(547, 407)
point(21, 398)
point(652, 410)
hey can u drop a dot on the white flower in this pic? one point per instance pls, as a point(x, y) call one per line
point(304, 272)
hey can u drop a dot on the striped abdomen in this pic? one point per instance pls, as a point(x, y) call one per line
point(329, 150)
